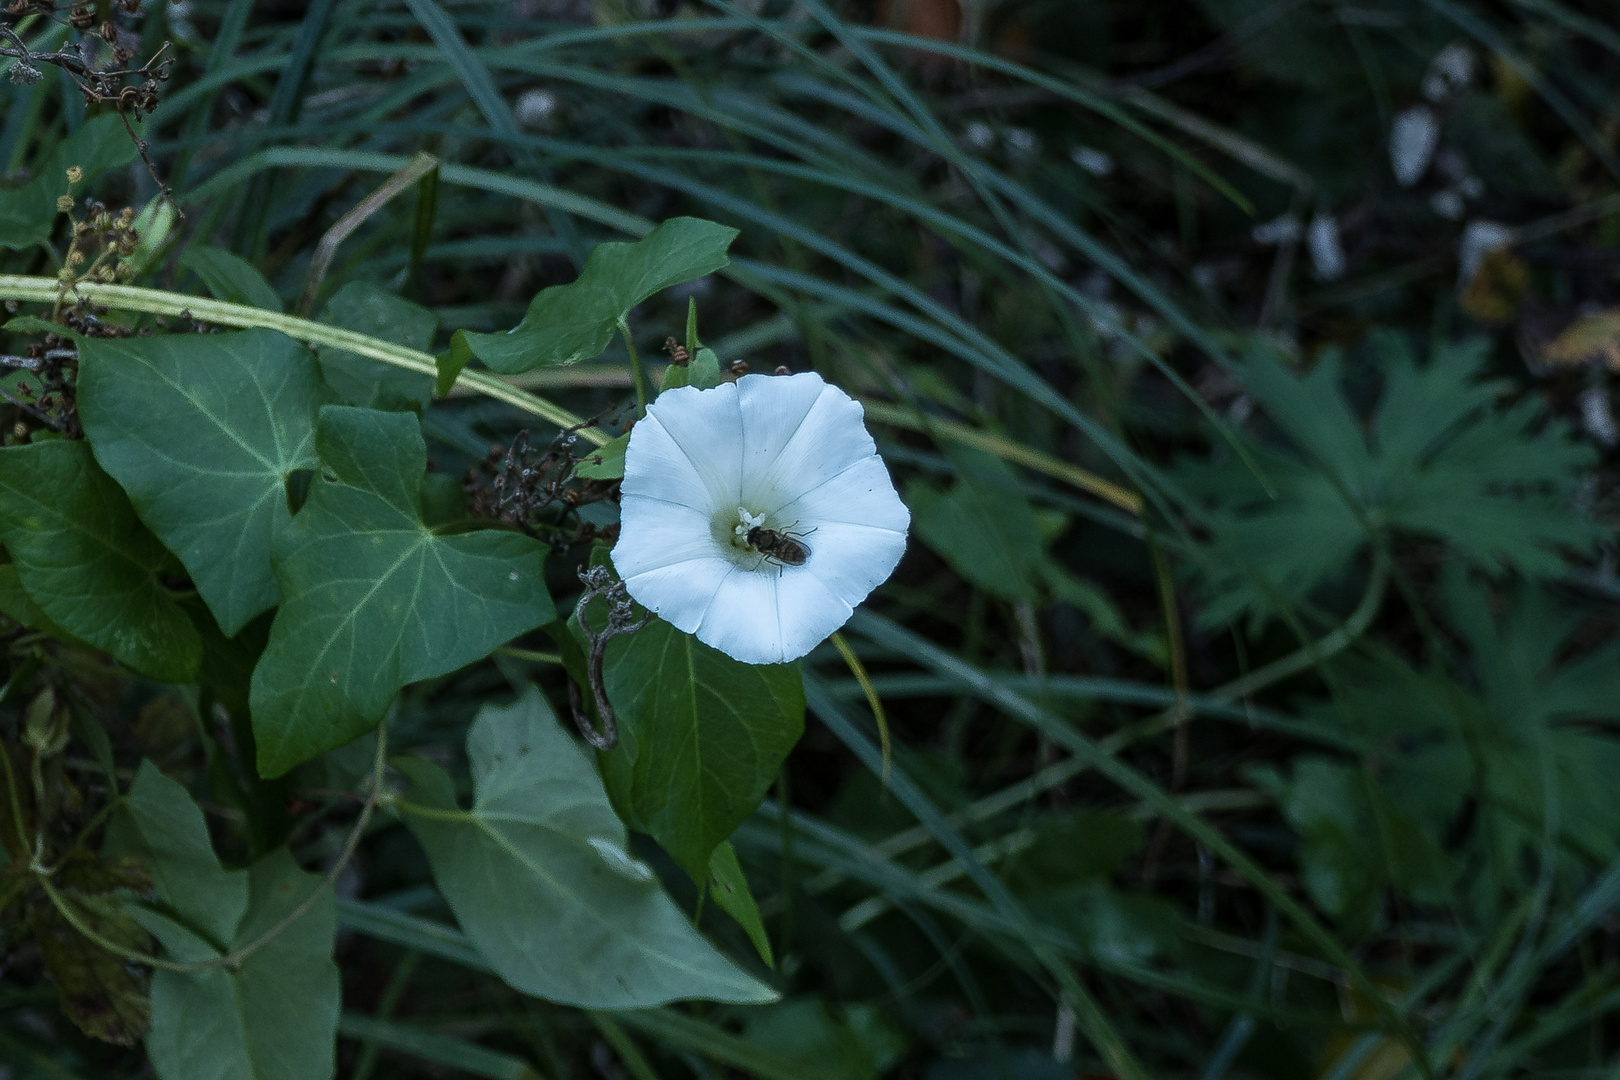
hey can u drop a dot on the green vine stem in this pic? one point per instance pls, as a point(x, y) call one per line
point(636, 372)
point(162, 302)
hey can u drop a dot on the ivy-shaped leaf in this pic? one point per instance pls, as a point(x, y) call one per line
point(27, 213)
point(569, 323)
point(203, 431)
point(87, 561)
point(701, 738)
point(375, 599)
point(274, 1017)
point(538, 875)
point(360, 380)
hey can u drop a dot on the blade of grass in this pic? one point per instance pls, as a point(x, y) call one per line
point(1015, 705)
point(430, 1046)
point(1093, 1021)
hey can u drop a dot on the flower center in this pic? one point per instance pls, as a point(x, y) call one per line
point(731, 534)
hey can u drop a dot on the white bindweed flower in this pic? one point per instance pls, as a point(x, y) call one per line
point(756, 515)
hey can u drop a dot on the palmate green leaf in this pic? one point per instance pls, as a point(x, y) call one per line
point(359, 380)
point(701, 738)
point(1357, 841)
point(373, 598)
point(569, 323)
point(275, 1018)
point(87, 561)
point(538, 875)
point(1441, 458)
point(28, 213)
point(203, 432)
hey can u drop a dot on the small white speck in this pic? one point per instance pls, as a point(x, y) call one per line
point(1412, 141)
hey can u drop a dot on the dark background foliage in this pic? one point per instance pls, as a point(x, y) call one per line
point(1263, 500)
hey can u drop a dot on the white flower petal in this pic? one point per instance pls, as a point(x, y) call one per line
point(787, 453)
point(743, 620)
point(852, 560)
point(654, 534)
point(815, 611)
point(656, 466)
point(861, 494)
point(681, 592)
point(707, 427)
point(798, 432)
point(772, 616)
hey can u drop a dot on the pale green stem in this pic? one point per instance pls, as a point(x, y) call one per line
point(635, 370)
point(162, 302)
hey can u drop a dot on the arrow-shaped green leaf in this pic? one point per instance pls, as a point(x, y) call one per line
point(373, 598)
point(569, 323)
point(538, 875)
point(702, 737)
point(275, 1016)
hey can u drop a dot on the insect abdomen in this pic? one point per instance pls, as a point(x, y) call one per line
point(779, 546)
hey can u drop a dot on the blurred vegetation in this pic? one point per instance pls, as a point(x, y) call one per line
point(1247, 364)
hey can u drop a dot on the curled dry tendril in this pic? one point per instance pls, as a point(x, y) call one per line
point(621, 620)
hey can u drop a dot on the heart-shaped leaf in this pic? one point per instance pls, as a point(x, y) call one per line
point(569, 323)
point(538, 875)
point(375, 599)
point(702, 737)
point(203, 431)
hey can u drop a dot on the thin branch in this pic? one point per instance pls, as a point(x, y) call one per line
point(418, 167)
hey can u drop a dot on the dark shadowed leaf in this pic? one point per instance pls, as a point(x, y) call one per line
point(230, 277)
point(359, 380)
point(983, 526)
point(27, 213)
point(701, 738)
point(87, 561)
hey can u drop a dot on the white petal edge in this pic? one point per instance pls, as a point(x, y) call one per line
point(743, 620)
point(862, 494)
point(857, 559)
point(679, 593)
